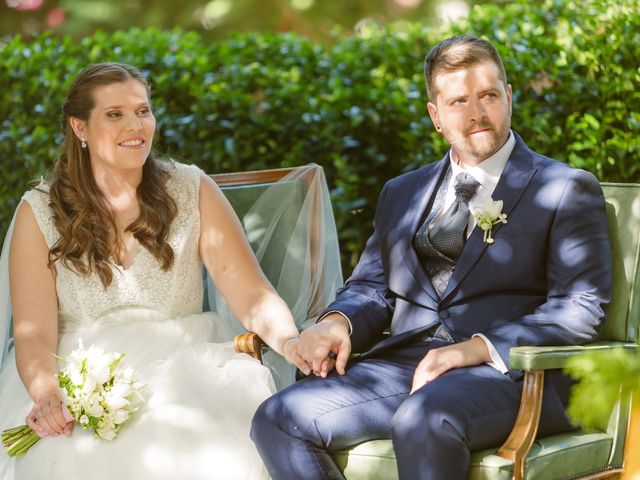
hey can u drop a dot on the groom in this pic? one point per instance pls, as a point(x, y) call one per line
point(454, 296)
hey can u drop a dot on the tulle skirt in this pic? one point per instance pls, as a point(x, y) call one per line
point(200, 398)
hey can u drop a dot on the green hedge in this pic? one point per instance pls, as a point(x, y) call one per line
point(357, 107)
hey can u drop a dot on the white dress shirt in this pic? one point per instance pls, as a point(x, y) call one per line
point(487, 173)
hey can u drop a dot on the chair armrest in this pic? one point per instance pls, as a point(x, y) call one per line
point(534, 361)
point(546, 358)
point(249, 343)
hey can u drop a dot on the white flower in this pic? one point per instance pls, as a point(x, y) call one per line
point(107, 428)
point(115, 402)
point(77, 356)
point(95, 410)
point(136, 397)
point(95, 397)
point(120, 389)
point(93, 352)
point(488, 215)
point(89, 385)
point(99, 374)
point(100, 392)
point(106, 433)
point(493, 208)
point(120, 416)
point(99, 369)
point(127, 375)
point(74, 374)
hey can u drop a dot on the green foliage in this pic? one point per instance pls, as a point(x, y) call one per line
point(357, 108)
point(602, 377)
point(574, 70)
point(376, 119)
point(316, 19)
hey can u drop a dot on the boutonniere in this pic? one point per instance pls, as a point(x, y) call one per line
point(489, 215)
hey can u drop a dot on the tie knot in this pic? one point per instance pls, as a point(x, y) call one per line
point(466, 187)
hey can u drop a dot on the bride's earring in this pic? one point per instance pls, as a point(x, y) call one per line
point(83, 142)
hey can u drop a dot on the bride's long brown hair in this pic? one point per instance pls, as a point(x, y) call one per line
point(88, 234)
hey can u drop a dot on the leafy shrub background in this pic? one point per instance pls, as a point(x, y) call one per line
point(356, 107)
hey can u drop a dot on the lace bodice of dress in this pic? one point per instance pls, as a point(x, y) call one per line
point(144, 290)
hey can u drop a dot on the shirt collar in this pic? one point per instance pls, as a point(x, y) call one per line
point(489, 170)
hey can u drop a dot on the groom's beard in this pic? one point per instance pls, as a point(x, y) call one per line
point(480, 146)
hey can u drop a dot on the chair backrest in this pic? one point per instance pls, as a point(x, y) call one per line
point(623, 211)
point(274, 232)
point(243, 190)
point(623, 314)
point(287, 217)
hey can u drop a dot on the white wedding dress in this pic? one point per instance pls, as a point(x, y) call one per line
point(200, 395)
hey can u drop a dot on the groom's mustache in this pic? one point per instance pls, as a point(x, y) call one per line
point(478, 127)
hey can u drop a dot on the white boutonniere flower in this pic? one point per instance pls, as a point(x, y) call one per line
point(487, 216)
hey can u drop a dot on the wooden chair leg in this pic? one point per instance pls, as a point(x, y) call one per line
point(517, 446)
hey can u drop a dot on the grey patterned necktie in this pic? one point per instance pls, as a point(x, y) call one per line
point(447, 233)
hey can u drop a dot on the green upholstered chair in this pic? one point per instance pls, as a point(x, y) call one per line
point(577, 454)
point(582, 453)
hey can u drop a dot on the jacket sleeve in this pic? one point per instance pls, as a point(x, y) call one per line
point(364, 299)
point(578, 266)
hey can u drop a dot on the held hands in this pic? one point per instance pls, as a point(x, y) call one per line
point(49, 416)
point(439, 360)
point(290, 352)
point(326, 345)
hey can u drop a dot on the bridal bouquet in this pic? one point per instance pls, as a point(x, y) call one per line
point(100, 393)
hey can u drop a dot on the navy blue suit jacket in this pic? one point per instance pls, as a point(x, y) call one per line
point(545, 281)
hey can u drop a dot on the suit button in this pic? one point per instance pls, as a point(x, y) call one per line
point(443, 314)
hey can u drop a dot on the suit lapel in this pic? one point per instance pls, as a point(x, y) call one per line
point(424, 192)
point(515, 177)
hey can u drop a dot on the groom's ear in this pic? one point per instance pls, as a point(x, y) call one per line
point(433, 113)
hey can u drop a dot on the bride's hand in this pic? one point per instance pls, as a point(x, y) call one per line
point(290, 352)
point(49, 416)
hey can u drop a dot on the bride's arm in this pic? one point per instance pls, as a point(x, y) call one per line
point(234, 269)
point(35, 323)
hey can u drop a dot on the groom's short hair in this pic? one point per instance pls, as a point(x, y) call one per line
point(460, 51)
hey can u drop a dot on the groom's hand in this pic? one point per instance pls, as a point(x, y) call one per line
point(290, 350)
point(439, 360)
point(330, 335)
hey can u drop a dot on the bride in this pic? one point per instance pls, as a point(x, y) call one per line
point(109, 252)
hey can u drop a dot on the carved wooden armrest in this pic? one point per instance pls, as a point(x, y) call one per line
point(534, 361)
point(249, 343)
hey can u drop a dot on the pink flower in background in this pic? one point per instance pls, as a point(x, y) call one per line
point(55, 17)
point(25, 5)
